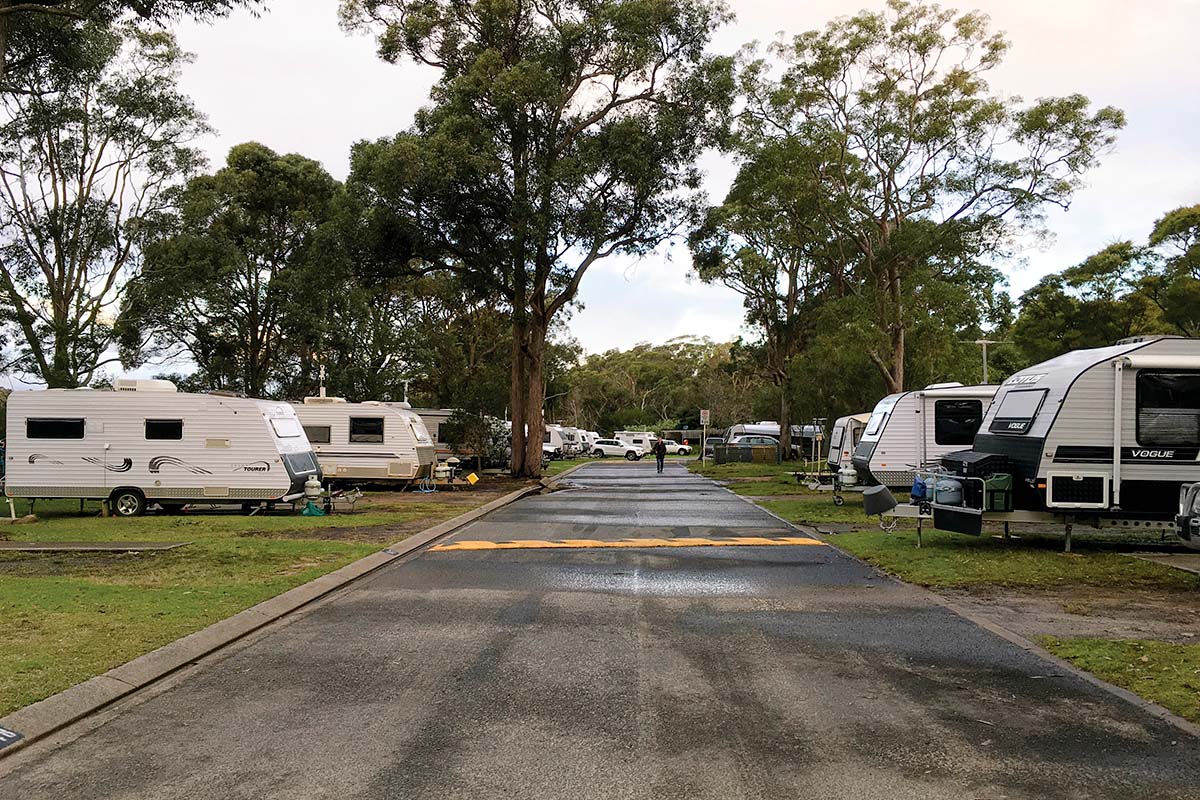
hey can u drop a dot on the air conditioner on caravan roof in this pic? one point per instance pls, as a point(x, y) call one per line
point(143, 385)
point(318, 401)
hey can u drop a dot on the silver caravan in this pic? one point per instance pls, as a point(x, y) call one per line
point(1106, 437)
point(146, 443)
point(367, 441)
point(909, 430)
point(847, 431)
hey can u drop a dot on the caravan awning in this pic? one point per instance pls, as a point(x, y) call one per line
point(1158, 362)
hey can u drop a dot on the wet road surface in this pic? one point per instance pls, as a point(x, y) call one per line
point(620, 672)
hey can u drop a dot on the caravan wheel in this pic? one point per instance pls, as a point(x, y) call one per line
point(128, 503)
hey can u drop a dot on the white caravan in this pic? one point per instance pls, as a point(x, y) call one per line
point(642, 439)
point(910, 430)
point(1106, 437)
point(145, 442)
point(552, 441)
point(573, 441)
point(367, 441)
point(847, 431)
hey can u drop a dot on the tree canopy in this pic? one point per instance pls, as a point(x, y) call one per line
point(557, 135)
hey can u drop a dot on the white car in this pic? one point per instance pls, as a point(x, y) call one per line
point(612, 447)
point(674, 448)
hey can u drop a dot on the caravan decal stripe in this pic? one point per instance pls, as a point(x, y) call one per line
point(125, 465)
point(1071, 454)
point(158, 462)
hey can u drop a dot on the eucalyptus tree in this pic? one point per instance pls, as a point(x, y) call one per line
point(769, 242)
point(86, 164)
point(52, 32)
point(558, 134)
point(897, 106)
point(225, 284)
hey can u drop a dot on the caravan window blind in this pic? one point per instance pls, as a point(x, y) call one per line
point(164, 429)
point(956, 421)
point(53, 428)
point(1168, 408)
point(317, 434)
point(366, 429)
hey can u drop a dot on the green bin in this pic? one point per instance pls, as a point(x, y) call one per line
point(997, 492)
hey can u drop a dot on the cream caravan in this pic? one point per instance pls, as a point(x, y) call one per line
point(910, 430)
point(145, 443)
point(367, 441)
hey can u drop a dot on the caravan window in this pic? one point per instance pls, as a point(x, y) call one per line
point(164, 429)
point(286, 427)
point(955, 422)
point(366, 429)
point(54, 429)
point(1017, 411)
point(1168, 408)
point(835, 439)
point(317, 434)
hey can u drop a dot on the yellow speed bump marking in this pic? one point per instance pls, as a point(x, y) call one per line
point(562, 544)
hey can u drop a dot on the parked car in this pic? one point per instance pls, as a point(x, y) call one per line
point(613, 447)
point(674, 448)
point(710, 443)
point(752, 439)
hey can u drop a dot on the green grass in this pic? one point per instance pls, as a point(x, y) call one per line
point(744, 470)
point(950, 560)
point(816, 507)
point(1162, 672)
point(60, 520)
point(556, 467)
point(67, 617)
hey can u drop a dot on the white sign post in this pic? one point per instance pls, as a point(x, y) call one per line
point(704, 416)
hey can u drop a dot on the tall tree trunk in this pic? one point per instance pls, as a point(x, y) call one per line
point(518, 392)
point(535, 354)
point(897, 328)
point(4, 46)
point(785, 421)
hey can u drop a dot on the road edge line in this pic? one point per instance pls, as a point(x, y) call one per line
point(36, 721)
point(1012, 637)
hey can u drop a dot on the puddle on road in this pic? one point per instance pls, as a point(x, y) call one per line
point(672, 583)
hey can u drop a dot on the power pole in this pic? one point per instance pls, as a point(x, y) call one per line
point(983, 343)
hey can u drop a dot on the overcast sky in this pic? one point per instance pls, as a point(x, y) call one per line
point(294, 81)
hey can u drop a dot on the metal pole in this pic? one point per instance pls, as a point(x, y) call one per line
point(985, 363)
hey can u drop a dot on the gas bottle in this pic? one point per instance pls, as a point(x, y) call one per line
point(312, 488)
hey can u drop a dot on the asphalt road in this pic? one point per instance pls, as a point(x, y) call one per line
point(621, 672)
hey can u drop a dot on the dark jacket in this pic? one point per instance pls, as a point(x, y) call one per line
point(660, 448)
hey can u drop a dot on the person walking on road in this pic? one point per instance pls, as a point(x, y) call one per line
point(660, 453)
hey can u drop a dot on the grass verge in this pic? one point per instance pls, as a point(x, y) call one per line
point(1162, 672)
point(953, 561)
point(744, 470)
point(67, 617)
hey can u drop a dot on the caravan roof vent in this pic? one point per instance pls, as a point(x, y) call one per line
point(323, 401)
point(950, 385)
point(143, 385)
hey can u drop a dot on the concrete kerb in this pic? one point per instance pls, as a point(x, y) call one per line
point(38, 720)
point(1028, 645)
point(550, 480)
